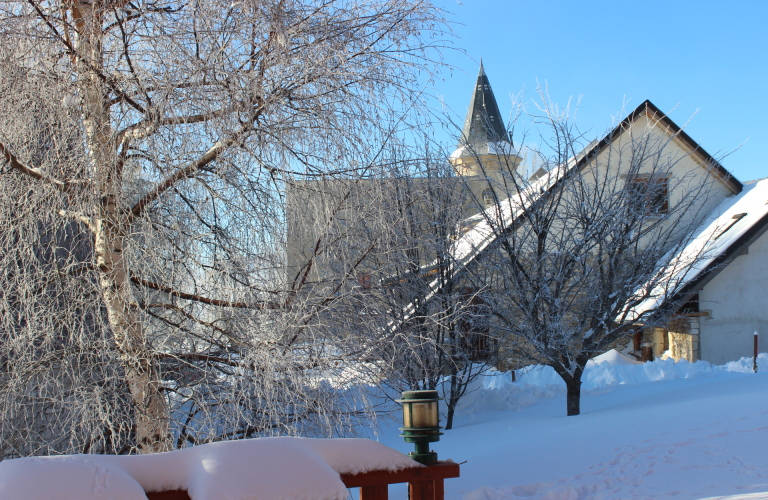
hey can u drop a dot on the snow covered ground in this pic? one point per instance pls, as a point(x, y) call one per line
point(653, 430)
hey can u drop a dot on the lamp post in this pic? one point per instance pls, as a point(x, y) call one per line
point(421, 423)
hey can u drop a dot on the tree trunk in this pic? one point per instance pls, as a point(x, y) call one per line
point(449, 419)
point(453, 394)
point(150, 409)
point(452, 402)
point(110, 227)
point(574, 395)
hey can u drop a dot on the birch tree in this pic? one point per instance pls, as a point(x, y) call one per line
point(146, 148)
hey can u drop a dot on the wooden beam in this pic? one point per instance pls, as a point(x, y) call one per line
point(169, 495)
point(700, 314)
point(441, 470)
point(379, 492)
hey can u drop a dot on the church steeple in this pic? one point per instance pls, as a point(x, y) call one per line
point(485, 150)
point(483, 126)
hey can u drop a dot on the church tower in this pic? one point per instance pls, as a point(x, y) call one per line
point(484, 152)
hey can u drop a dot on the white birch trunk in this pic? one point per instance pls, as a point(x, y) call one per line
point(151, 418)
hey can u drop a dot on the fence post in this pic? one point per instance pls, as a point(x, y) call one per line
point(754, 362)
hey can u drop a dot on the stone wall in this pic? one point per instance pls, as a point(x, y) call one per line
point(683, 339)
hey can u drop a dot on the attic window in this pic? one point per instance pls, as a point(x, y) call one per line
point(650, 194)
point(736, 218)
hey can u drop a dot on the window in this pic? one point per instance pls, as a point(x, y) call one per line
point(488, 197)
point(650, 194)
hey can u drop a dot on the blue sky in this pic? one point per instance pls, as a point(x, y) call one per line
point(705, 56)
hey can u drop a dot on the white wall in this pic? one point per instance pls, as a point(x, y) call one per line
point(737, 299)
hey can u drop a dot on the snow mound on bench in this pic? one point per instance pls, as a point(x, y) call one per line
point(282, 468)
point(66, 477)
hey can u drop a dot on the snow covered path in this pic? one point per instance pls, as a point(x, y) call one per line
point(700, 437)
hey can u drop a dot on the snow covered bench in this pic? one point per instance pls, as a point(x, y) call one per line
point(281, 468)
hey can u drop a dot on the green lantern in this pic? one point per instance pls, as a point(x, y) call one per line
point(421, 421)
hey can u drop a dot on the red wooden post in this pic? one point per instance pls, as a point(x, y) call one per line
point(423, 490)
point(439, 489)
point(377, 492)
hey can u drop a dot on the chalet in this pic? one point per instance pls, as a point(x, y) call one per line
point(712, 308)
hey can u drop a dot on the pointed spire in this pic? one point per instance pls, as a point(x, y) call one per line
point(483, 124)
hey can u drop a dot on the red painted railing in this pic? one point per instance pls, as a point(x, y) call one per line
point(424, 483)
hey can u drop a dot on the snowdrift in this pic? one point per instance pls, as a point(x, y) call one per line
point(497, 392)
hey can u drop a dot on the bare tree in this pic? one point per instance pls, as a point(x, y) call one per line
point(565, 257)
point(148, 302)
point(437, 336)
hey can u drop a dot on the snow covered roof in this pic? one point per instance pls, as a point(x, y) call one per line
point(479, 232)
point(733, 224)
point(479, 229)
point(282, 468)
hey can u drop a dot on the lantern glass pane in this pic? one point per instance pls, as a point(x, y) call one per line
point(434, 414)
point(407, 415)
point(424, 414)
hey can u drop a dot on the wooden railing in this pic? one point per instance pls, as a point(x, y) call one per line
point(424, 483)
